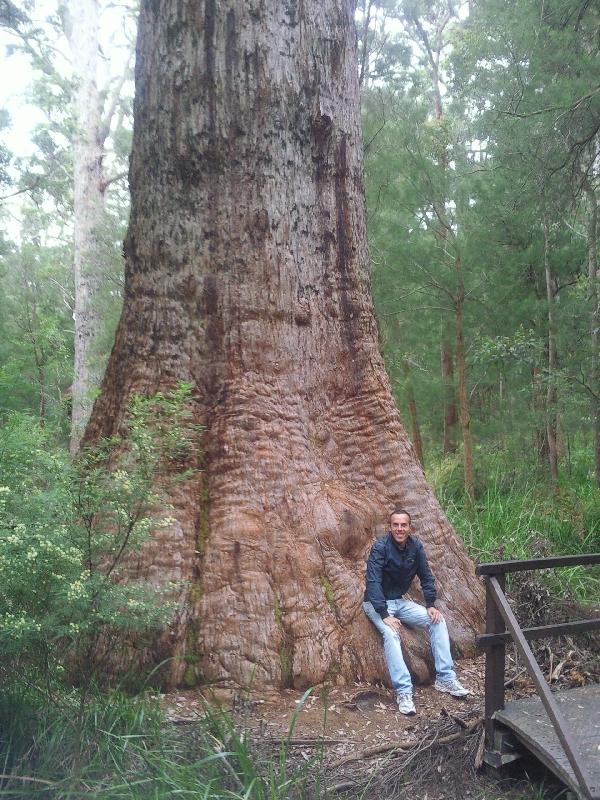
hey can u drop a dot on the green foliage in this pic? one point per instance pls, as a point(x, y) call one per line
point(5, 155)
point(518, 517)
point(36, 340)
point(478, 173)
point(126, 749)
point(36, 365)
point(67, 532)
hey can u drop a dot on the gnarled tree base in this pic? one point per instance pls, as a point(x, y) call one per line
point(247, 277)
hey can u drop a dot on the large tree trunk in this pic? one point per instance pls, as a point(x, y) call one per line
point(417, 441)
point(80, 22)
point(246, 276)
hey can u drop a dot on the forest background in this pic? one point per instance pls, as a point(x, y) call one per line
point(481, 126)
point(481, 159)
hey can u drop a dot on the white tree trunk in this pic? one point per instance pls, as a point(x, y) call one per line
point(81, 28)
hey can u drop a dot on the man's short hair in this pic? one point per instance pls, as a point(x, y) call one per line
point(401, 511)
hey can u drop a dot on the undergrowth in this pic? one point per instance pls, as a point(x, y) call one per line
point(130, 751)
point(518, 516)
point(61, 743)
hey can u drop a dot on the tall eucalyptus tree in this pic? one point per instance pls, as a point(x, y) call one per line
point(247, 277)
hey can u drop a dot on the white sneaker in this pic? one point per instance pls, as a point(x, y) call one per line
point(405, 704)
point(454, 688)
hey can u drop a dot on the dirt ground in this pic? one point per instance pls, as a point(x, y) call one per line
point(365, 748)
point(355, 728)
point(349, 717)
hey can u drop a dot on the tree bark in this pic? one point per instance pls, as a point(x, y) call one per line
point(463, 393)
point(81, 29)
point(450, 415)
point(247, 276)
point(592, 248)
point(414, 418)
point(551, 396)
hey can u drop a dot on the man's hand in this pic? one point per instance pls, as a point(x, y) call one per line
point(393, 623)
point(434, 615)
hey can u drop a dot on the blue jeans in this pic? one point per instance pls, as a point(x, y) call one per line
point(411, 614)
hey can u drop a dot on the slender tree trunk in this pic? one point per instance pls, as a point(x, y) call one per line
point(551, 395)
point(538, 402)
point(464, 402)
point(434, 50)
point(247, 276)
point(42, 391)
point(463, 393)
point(450, 414)
point(81, 27)
point(363, 75)
point(592, 247)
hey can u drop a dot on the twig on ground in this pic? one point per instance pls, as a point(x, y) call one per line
point(455, 718)
point(370, 752)
point(26, 778)
point(311, 742)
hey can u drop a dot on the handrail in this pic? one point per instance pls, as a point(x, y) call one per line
point(498, 615)
point(546, 696)
point(540, 632)
point(502, 567)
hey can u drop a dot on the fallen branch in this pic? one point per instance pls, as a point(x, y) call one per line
point(370, 752)
point(341, 787)
point(312, 742)
point(3, 776)
point(458, 720)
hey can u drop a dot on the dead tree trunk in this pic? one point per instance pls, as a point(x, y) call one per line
point(246, 276)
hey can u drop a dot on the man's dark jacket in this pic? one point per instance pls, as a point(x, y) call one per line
point(391, 569)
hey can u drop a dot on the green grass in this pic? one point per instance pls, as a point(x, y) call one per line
point(529, 519)
point(126, 749)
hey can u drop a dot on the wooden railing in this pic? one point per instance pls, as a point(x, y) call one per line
point(499, 617)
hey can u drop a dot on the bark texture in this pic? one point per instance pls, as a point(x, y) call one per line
point(81, 28)
point(246, 275)
point(551, 392)
point(450, 414)
point(592, 249)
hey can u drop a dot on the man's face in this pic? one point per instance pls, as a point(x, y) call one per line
point(400, 528)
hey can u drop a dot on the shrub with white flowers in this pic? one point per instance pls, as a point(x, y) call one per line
point(66, 529)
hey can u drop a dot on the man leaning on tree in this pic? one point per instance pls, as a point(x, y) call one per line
point(394, 561)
